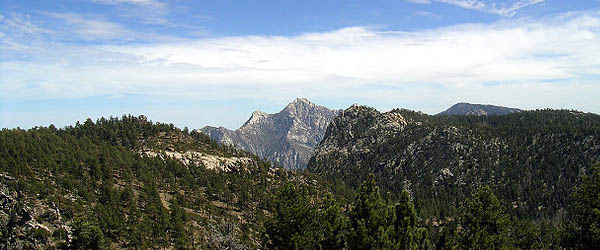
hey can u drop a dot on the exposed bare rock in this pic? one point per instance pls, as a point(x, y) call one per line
point(287, 138)
point(214, 162)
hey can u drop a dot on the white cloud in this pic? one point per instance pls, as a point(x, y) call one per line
point(93, 29)
point(518, 63)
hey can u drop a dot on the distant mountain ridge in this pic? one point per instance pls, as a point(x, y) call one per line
point(464, 108)
point(287, 138)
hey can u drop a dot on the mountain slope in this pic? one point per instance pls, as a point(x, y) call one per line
point(532, 159)
point(478, 109)
point(286, 138)
point(131, 183)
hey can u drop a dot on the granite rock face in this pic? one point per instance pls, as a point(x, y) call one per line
point(287, 138)
point(478, 109)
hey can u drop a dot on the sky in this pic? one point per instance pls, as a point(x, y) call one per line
point(198, 63)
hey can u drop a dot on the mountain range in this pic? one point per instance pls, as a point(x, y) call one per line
point(288, 138)
point(123, 183)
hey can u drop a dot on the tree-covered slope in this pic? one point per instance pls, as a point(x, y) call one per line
point(131, 183)
point(531, 159)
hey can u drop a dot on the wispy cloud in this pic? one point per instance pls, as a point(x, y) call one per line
point(150, 12)
point(503, 8)
point(425, 14)
point(419, 1)
point(20, 23)
point(142, 3)
point(18, 32)
point(525, 63)
point(88, 28)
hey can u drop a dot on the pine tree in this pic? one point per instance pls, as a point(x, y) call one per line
point(87, 235)
point(178, 220)
point(586, 214)
point(334, 225)
point(292, 226)
point(484, 222)
point(369, 219)
point(407, 233)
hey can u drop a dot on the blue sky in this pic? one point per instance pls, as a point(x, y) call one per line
point(197, 63)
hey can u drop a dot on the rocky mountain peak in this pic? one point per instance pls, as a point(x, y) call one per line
point(255, 118)
point(357, 110)
point(300, 107)
point(286, 138)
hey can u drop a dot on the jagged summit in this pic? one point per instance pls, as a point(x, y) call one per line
point(286, 138)
point(255, 117)
point(301, 100)
point(464, 108)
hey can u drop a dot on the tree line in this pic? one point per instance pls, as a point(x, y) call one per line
point(304, 221)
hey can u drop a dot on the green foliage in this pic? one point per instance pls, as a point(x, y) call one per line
point(112, 196)
point(531, 158)
point(485, 225)
point(301, 221)
point(406, 227)
point(585, 233)
point(379, 224)
point(370, 219)
point(136, 201)
point(177, 221)
point(529, 235)
point(87, 236)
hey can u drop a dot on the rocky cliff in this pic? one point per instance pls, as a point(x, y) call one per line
point(478, 109)
point(532, 159)
point(286, 138)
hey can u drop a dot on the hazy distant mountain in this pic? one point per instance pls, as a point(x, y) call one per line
point(287, 138)
point(478, 109)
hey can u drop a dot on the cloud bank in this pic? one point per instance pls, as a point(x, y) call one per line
point(522, 63)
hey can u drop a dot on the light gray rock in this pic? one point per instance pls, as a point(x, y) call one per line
point(287, 138)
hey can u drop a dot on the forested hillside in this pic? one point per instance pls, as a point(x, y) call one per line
point(131, 183)
point(532, 159)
